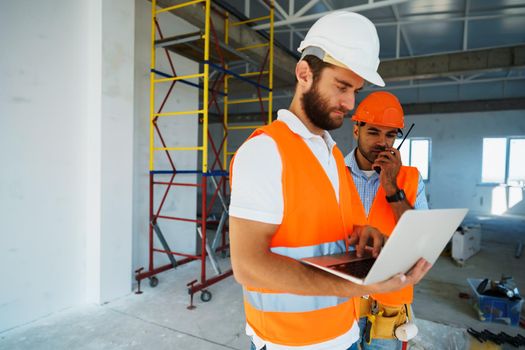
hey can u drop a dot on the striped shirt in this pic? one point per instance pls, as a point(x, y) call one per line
point(367, 186)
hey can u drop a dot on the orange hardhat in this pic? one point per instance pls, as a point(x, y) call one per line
point(380, 108)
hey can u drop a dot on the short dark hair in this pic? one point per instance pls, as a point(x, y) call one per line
point(316, 65)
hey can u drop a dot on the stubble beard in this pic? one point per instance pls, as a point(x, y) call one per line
point(367, 155)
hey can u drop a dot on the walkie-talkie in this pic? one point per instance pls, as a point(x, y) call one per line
point(378, 169)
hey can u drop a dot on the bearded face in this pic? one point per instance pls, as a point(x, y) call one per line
point(373, 139)
point(369, 152)
point(319, 111)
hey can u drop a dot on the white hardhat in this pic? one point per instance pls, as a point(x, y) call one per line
point(348, 40)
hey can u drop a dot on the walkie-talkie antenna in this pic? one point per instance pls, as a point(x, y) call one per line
point(378, 169)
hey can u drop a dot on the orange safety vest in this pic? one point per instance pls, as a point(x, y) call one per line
point(313, 224)
point(382, 217)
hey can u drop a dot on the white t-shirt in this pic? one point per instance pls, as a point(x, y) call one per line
point(257, 195)
point(257, 187)
point(368, 173)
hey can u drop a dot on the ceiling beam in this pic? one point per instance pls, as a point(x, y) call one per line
point(401, 31)
point(423, 19)
point(357, 8)
point(465, 26)
point(283, 15)
point(443, 65)
point(473, 62)
point(464, 106)
point(411, 109)
point(305, 8)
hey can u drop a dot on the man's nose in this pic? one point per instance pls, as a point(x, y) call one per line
point(382, 139)
point(348, 101)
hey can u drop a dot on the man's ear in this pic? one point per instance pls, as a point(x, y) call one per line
point(304, 75)
point(356, 131)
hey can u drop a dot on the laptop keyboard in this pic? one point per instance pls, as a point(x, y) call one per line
point(357, 269)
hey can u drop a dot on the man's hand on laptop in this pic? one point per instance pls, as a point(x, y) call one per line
point(412, 277)
point(366, 235)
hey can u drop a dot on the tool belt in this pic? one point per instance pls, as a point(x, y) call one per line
point(382, 320)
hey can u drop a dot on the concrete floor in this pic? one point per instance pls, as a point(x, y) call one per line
point(158, 318)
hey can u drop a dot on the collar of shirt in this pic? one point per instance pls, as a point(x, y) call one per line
point(297, 126)
point(351, 163)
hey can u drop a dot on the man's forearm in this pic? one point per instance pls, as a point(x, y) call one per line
point(255, 265)
point(283, 274)
point(400, 207)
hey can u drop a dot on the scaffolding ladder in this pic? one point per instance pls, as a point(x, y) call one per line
point(197, 46)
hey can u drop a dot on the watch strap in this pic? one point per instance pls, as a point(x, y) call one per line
point(396, 197)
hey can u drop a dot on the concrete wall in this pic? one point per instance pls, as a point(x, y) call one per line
point(178, 131)
point(457, 148)
point(110, 159)
point(74, 144)
point(43, 149)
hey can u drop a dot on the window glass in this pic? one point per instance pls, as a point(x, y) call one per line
point(420, 151)
point(494, 160)
point(405, 151)
point(517, 162)
point(416, 153)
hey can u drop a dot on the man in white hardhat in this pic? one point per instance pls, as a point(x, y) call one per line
point(290, 199)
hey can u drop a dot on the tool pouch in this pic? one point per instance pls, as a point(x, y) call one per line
point(386, 321)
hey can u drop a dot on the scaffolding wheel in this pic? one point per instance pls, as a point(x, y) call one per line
point(205, 296)
point(153, 282)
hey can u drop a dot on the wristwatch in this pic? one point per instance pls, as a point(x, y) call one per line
point(396, 197)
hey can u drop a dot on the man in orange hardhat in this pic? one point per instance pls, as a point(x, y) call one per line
point(382, 190)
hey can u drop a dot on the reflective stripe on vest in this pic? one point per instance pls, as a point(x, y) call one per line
point(282, 302)
point(309, 251)
point(313, 224)
point(382, 217)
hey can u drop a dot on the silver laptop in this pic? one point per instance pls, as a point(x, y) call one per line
point(418, 234)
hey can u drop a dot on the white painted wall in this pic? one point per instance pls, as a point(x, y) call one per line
point(72, 175)
point(457, 149)
point(43, 155)
point(109, 241)
point(66, 73)
point(178, 131)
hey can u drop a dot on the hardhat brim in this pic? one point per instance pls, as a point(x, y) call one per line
point(325, 55)
point(355, 118)
point(367, 74)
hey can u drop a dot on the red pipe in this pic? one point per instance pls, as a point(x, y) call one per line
point(177, 218)
point(204, 216)
point(193, 257)
point(176, 184)
point(150, 220)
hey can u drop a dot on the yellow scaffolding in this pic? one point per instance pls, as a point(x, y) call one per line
point(197, 46)
point(269, 72)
